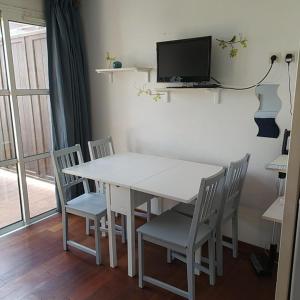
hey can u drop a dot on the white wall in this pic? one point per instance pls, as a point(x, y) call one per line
point(191, 126)
point(33, 5)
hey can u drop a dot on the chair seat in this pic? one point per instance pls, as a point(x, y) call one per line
point(89, 203)
point(173, 227)
point(185, 209)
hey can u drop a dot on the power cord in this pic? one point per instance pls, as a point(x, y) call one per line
point(273, 59)
point(288, 60)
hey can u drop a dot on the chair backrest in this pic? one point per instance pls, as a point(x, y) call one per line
point(234, 181)
point(101, 148)
point(66, 158)
point(209, 204)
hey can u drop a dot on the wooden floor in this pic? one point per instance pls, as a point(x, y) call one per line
point(34, 266)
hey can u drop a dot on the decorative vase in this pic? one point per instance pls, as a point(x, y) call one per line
point(117, 64)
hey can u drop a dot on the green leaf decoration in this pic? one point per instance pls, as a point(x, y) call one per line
point(244, 43)
point(233, 39)
point(156, 97)
point(233, 43)
point(147, 92)
point(233, 52)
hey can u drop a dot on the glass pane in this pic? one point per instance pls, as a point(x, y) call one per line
point(29, 49)
point(3, 77)
point(35, 124)
point(7, 147)
point(40, 186)
point(10, 208)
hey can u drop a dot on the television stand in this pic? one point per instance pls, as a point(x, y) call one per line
point(196, 86)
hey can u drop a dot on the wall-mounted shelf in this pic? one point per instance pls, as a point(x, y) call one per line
point(119, 70)
point(166, 92)
point(163, 92)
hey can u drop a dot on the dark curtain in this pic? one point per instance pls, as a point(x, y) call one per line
point(67, 76)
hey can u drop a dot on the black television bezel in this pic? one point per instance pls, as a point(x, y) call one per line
point(191, 79)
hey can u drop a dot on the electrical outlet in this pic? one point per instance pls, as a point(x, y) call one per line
point(293, 53)
point(278, 55)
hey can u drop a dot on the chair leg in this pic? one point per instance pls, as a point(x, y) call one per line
point(87, 226)
point(123, 224)
point(103, 225)
point(169, 255)
point(235, 235)
point(198, 254)
point(97, 241)
point(148, 210)
point(211, 260)
point(65, 230)
point(190, 275)
point(141, 259)
point(219, 248)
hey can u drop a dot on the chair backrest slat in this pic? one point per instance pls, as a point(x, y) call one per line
point(101, 148)
point(234, 181)
point(66, 158)
point(98, 149)
point(209, 204)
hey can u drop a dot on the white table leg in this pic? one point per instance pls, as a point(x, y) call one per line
point(131, 237)
point(111, 230)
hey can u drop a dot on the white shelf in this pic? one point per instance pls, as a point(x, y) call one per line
point(279, 164)
point(162, 91)
point(275, 212)
point(166, 91)
point(119, 70)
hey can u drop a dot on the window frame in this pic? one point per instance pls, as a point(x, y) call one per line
point(13, 14)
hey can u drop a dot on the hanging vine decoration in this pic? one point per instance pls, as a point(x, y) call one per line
point(143, 91)
point(242, 42)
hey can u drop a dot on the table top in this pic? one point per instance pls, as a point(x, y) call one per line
point(279, 164)
point(163, 177)
point(122, 169)
point(180, 183)
point(275, 211)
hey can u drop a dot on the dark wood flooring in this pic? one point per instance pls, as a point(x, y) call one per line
point(34, 266)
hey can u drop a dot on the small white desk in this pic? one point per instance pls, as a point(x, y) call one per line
point(264, 264)
point(131, 179)
point(275, 212)
point(279, 164)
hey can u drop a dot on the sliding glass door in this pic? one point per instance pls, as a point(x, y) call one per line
point(26, 173)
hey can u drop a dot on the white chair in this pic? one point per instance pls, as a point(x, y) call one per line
point(88, 205)
point(97, 149)
point(184, 235)
point(104, 147)
point(233, 187)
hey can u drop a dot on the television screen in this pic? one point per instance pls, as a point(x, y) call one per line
point(185, 60)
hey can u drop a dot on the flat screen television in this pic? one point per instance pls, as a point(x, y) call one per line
point(185, 60)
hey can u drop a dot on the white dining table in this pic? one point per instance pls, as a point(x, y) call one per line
point(131, 179)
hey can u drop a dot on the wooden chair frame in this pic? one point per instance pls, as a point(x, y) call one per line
point(65, 158)
point(208, 210)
